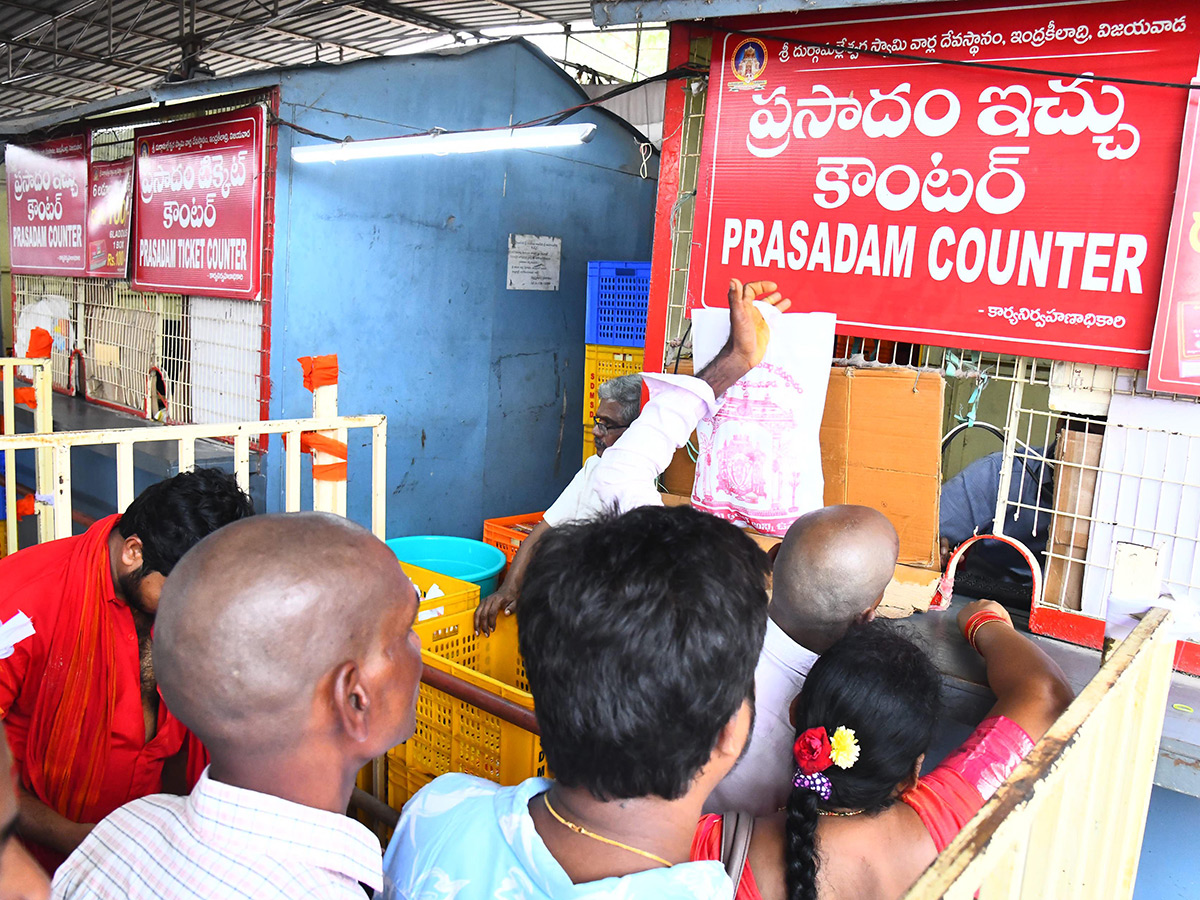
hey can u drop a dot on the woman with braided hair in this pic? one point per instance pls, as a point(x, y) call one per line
point(860, 822)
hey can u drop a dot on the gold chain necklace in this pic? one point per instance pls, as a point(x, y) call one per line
point(579, 829)
point(840, 812)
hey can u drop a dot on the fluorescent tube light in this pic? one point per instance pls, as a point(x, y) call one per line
point(536, 136)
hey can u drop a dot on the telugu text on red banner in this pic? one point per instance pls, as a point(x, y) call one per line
point(949, 205)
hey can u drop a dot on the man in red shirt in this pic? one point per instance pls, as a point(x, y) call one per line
point(79, 698)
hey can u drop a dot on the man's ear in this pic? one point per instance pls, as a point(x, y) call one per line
point(131, 553)
point(735, 733)
point(868, 615)
point(351, 701)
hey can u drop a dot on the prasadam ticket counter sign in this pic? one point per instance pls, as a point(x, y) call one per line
point(184, 215)
point(1021, 206)
point(199, 205)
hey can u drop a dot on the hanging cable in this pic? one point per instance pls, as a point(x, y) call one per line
point(689, 70)
point(964, 63)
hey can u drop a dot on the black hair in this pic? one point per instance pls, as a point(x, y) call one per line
point(640, 635)
point(172, 516)
point(881, 685)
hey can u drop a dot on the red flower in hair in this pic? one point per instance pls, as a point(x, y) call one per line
point(812, 751)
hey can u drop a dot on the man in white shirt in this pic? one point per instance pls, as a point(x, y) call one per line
point(831, 571)
point(620, 402)
point(632, 455)
point(285, 644)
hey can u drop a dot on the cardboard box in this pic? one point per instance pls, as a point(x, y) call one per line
point(881, 447)
point(910, 590)
point(1070, 524)
point(680, 475)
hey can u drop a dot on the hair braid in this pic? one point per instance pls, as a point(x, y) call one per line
point(801, 836)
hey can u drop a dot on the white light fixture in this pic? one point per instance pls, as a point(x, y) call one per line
point(533, 137)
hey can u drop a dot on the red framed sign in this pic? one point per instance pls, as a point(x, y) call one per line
point(1175, 355)
point(199, 205)
point(110, 198)
point(942, 204)
point(47, 206)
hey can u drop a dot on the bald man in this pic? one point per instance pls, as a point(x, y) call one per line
point(285, 643)
point(831, 571)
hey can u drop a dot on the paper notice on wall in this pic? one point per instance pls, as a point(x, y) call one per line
point(760, 455)
point(534, 262)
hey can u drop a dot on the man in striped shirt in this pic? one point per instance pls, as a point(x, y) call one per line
point(285, 643)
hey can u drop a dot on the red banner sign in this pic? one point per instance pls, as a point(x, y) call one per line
point(943, 204)
point(1175, 356)
point(199, 201)
point(110, 199)
point(47, 206)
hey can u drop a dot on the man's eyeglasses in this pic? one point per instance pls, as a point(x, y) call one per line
point(606, 425)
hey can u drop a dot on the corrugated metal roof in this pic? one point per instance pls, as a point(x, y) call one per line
point(56, 55)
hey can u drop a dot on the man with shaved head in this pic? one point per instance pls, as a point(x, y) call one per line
point(832, 569)
point(285, 644)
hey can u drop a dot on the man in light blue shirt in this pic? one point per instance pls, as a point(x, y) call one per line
point(640, 635)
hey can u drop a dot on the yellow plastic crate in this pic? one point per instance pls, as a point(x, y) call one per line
point(589, 444)
point(600, 363)
point(458, 595)
point(453, 736)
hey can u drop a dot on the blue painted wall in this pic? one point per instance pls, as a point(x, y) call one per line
point(399, 267)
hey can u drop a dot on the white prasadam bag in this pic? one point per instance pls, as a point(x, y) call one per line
point(760, 456)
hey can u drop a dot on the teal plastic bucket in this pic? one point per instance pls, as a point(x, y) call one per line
point(461, 558)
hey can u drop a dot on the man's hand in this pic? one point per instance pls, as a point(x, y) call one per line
point(748, 331)
point(489, 610)
point(749, 334)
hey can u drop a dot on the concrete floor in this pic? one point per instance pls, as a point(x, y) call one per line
point(1168, 869)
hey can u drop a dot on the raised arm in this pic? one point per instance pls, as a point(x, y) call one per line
point(1029, 686)
point(626, 473)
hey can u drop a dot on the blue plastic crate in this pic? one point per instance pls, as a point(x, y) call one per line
point(617, 295)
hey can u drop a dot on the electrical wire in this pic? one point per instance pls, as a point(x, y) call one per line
point(689, 70)
point(964, 63)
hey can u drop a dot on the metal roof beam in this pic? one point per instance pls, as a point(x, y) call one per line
point(42, 92)
point(237, 25)
point(401, 13)
point(628, 12)
point(66, 74)
point(84, 56)
point(521, 9)
point(144, 36)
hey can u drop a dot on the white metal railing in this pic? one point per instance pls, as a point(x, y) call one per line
point(43, 421)
point(1068, 823)
point(327, 496)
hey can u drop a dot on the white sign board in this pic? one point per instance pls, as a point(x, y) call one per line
point(533, 262)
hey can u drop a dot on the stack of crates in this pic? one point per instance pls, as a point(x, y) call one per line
point(615, 333)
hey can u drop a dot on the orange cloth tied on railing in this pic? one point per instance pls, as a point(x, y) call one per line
point(26, 506)
point(311, 442)
point(319, 371)
point(40, 344)
point(26, 396)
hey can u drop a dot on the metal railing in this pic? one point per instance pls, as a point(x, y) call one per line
point(1068, 823)
point(55, 484)
point(43, 421)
